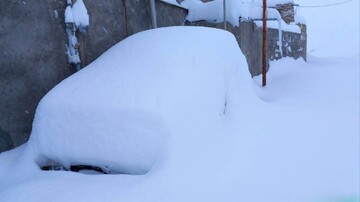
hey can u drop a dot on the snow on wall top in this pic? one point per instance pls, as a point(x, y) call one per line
point(236, 9)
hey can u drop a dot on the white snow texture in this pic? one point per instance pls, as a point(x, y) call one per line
point(175, 115)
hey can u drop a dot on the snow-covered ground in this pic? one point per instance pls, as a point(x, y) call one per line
point(222, 136)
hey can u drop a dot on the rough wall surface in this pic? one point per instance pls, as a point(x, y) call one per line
point(113, 20)
point(286, 11)
point(32, 50)
point(138, 16)
point(249, 37)
point(294, 45)
point(169, 15)
point(107, 27)
point(33, 40)
point(32, 61)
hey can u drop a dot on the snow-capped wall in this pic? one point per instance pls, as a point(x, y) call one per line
point(249, 37)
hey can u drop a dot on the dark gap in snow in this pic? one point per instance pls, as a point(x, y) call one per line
point(79, 168)
point(85, 169)
point(225, 105)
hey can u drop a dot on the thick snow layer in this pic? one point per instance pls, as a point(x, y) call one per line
point(332, 30)
point(298, 19)
point(116, 106)
point(297, 141)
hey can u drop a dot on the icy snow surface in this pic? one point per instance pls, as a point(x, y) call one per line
point(297, 140)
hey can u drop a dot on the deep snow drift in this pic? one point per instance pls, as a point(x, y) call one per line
point(118, 107)
point(297, 140)
point(160, 102)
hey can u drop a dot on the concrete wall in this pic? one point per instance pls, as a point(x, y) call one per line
point(32, 50)
point(32, 61)
point(249, 37)
point(33, 40)
point(113, 20)
point(294, 45)
point(107, 27)
point(169, 15)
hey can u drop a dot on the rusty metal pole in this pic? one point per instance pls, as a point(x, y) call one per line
point(264, 45)
point(224, 10)
point(153, 14)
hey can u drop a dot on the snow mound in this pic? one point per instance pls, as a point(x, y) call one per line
point(114, 114)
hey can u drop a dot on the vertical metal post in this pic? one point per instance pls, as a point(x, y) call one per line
point(224, 10)
point(153, 14)
point(264, 45)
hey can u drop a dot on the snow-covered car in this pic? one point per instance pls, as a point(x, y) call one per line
point(172, 115)
point(117, 113)
point(153, 105)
